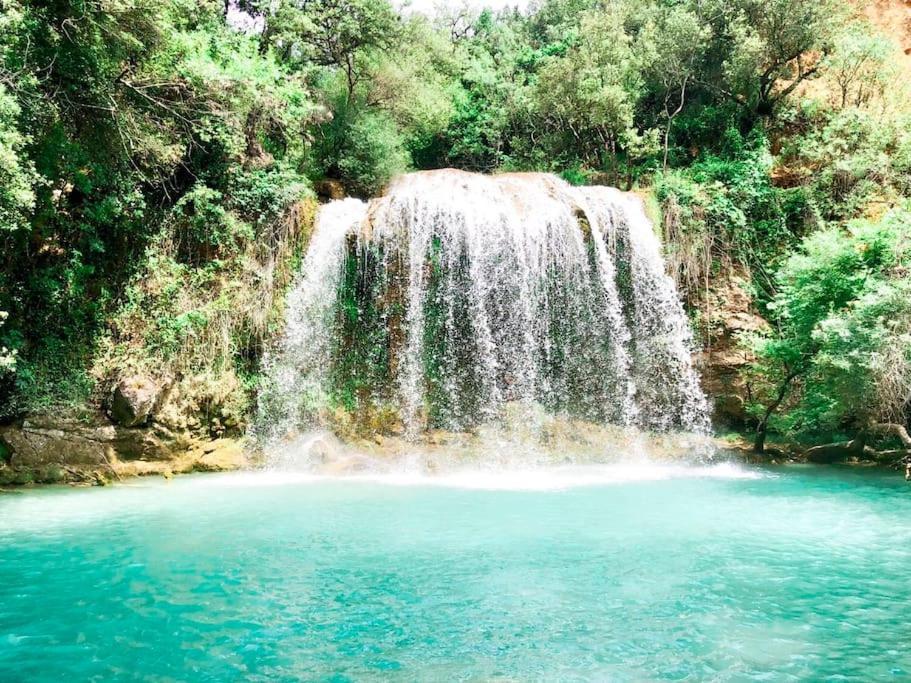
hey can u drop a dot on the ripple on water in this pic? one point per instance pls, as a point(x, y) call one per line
point(620, 573)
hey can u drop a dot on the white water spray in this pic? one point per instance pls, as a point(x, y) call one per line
point(297, 375)
point(482, 294)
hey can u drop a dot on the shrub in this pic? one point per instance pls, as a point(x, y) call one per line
point(842, 329)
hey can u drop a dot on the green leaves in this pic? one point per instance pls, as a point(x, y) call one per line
point(844, 305)
point(17, 174)
point(7, 356)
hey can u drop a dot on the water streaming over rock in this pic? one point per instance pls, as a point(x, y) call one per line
point(298, 373)
point(457, 298)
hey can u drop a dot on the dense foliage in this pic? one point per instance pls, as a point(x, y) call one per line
point(842, 311)
point(156, 160)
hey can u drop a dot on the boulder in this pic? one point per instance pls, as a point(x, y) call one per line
point(330, 189)
point(133, 401)
point(830, 453)
point(220, 456)
point(90, 450)
point(44, 441)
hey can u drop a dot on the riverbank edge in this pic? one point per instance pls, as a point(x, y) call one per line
point(91, 451)
point(88, 450)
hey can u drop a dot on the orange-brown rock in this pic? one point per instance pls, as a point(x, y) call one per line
point(727, 316)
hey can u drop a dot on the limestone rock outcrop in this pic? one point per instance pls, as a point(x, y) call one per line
point(727, 316)
point(90, 450)
point(133, 401)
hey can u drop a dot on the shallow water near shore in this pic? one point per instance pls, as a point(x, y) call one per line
point(620, 572)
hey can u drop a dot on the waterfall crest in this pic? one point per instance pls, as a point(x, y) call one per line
point(456, 297)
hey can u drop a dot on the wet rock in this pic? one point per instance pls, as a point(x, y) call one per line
point(147, 444)
point(320, 450)
point(10, 476)
point(827, 454)
point(330, 189)
point(42, 441)
point(6, 453)
point(22, 477)
point(727, 316)
point(221, 456)
point(91, 451)
point(133, 401)
point(50, 474)
point(101, 478)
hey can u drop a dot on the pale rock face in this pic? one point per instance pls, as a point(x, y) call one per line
point(133, 401)
point(728, 318)
point(89, 450)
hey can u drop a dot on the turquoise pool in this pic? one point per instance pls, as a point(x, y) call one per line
point(641, 573)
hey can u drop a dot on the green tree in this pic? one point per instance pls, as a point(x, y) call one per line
point(840, 352)
point(587, 98)
point(670, 46)
point(493, 99)
point(336, 33)
point(764, 49)
point(857, 65)
point(361, 146)
point(7, 356)
point(109, 112)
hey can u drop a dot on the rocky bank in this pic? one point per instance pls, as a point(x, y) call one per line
point(133, 434)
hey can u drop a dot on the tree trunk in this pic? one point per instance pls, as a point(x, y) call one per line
point(896, 457)
point(892, 429)
point(759, 442)
point(837, 452)
point(671, 117)
point(762, 427)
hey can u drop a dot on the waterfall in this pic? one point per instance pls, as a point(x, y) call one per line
point(456, 298)
point(297, 376)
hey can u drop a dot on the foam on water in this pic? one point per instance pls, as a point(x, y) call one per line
point(54, 510)
point(558, 478)
point(549, 478)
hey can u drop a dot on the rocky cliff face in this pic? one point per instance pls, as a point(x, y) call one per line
point(892, 18)
point(138, 435)
point(726, 315)
point(51, 450)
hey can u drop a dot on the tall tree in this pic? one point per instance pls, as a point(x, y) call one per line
point(766, 48)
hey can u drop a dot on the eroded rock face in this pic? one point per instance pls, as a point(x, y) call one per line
point(728, 315)
point(133, 400)
point(51, 449)
point(43, 441)
point(220, 455)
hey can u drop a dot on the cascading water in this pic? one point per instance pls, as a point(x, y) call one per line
point(457, 298)
point(298, 374)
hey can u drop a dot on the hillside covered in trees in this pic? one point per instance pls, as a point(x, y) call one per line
point(160, 164)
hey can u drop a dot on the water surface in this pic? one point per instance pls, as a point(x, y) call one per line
point(624, 574)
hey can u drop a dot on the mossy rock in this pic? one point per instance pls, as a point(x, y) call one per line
point(6, 476)
point(22, 477)
point(50, 474)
